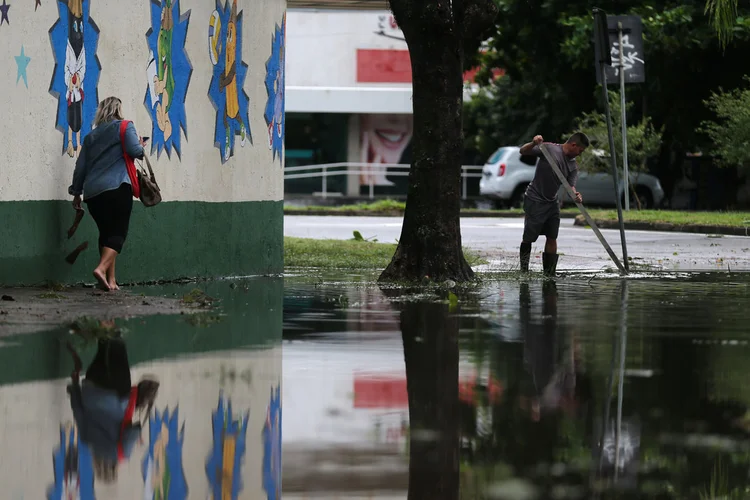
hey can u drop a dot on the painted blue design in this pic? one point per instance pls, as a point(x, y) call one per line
point(275, 82)
point(163, 474)
point(22, 62)
point(74, 39)
point(74, 471)
point(272, 447)
point(226, 90)
point(168, 73)
point(225, 429)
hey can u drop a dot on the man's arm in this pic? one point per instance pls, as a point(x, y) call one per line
point(532, 148)
point(572, 180)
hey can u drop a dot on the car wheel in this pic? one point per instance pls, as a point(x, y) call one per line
point(516, 201)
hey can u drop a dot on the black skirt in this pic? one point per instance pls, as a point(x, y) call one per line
point(111, 212)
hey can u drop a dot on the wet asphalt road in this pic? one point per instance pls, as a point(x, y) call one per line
point(497, 239)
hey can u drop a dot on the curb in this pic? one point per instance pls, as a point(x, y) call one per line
point(667, 227)
point(399, 213)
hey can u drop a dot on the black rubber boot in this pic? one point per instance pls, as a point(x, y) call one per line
point(549, 264)
point(525, 257)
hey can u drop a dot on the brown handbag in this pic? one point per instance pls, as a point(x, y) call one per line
point(150, 192)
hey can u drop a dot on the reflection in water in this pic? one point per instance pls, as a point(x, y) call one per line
point(574, 389)
point(567, 389)
point(430, 337)
point(105, 406)
point(160, 407)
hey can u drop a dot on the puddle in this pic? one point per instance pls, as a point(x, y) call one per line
point(510, 391)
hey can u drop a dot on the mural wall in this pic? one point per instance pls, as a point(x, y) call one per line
point(196, 78)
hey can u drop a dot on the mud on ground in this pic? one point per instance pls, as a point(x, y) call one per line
point(26, 310)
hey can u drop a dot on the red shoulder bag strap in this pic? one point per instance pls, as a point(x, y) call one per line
point(129, 162)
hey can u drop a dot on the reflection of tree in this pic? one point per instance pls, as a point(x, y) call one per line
point(430, 336)
point(685, 387)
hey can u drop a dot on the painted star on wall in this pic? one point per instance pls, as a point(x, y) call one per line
point(4, 13)
point(22, 62)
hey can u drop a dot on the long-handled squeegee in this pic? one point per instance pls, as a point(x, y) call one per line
point(569, 190)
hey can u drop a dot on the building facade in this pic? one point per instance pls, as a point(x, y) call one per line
point(204, 80)
point(348, 99)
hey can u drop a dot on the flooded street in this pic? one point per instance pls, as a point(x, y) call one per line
point(583, 388)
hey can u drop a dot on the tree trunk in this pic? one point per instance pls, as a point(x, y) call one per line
point(430, 243)
point(430, 338)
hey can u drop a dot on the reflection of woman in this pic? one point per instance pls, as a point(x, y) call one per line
point(104, 405)
point(384, 139)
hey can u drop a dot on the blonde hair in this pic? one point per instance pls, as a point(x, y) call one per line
point(109, 109)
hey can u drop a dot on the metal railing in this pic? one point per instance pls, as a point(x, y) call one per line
point(326, 170)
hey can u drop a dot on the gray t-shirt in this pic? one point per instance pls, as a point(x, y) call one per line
point(545, 185)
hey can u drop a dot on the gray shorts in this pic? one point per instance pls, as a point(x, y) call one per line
point(542, 218)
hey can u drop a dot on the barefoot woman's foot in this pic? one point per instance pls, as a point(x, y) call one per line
point(100, 278)
point(113, 286)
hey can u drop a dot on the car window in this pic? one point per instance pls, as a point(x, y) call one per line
point(529, 160)
point(497, 155)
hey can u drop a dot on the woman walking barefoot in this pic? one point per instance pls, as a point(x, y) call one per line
point(102, 177)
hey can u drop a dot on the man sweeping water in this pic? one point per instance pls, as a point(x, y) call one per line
point(541, 204)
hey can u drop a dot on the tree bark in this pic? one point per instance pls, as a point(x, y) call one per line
point(430, 338)
point(430, 243)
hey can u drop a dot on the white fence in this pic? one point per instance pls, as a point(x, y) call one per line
point(326, 170)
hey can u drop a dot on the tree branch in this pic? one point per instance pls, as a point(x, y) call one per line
point(475, 17)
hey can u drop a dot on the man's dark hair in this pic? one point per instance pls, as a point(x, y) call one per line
point(579, 139)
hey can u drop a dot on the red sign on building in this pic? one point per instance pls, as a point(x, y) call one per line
point(393, 66)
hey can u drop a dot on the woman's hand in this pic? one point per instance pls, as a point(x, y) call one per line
point(77, 202)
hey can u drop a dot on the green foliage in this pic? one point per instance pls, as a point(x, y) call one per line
point(723, 15)
point(644, 140)
point(730, 133)
point(545, 48)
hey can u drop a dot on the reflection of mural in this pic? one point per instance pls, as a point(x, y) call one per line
point(74, 473)
point(383, 140)
point(74, 39)
point(223, 467)
point(272, 447)
point(168, 73)
point(163, 474)
point(275, 82)
point(226, 89)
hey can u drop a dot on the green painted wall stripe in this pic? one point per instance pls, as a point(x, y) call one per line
point(169, 241)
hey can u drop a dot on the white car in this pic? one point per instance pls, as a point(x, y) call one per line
point(507, 174)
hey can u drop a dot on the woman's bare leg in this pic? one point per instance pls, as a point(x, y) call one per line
point(100, 273)
point(111, 275)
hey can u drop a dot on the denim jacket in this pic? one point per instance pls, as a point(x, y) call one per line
point(98, 414)
point(101, 165)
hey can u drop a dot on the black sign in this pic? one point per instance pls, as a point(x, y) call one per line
point(633, 56)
